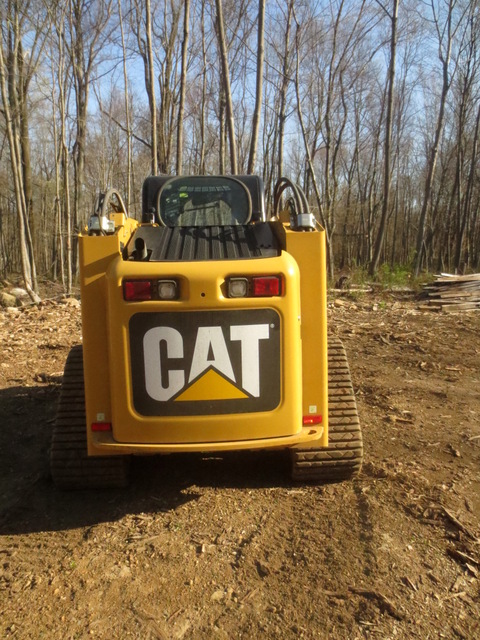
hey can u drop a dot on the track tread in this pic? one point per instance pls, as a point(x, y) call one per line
point(70, 465)
point(342, 459)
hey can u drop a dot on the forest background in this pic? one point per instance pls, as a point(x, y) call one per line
point(372, 106)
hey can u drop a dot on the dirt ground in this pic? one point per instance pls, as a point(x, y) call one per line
point(225, 546)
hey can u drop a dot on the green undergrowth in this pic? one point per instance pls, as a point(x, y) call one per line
point(387, 278)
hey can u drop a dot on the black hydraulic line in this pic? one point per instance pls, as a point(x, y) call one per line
point(299, 199)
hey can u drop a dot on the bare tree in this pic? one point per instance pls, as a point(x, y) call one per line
point(183, 82)
point(393, 17)
point(335, 67)
point(128, 124)
point(87, 35)
point(16, 72)
point(285, 78)
point(227, 92)
point(445, 31)
point(142, 26)
point(168, 60)
point(202, 167)
point(258, 88)
point(60, 83)
point(467, 122)
point(305, 141)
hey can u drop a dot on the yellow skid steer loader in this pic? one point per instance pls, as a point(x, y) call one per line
point(204, 329)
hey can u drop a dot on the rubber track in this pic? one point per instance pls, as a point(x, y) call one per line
point(342, 459)
point(70, 466)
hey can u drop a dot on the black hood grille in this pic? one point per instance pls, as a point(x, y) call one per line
point(206, 243)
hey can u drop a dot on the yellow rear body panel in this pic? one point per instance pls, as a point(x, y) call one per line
point(297, 319)
point(308, 250)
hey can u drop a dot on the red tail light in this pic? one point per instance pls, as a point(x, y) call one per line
point(254, 287)
point(310, 421)
point(101, 426)
point(137, 290)
point(266, 286)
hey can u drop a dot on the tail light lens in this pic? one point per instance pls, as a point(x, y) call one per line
point(267, 286)
point(237, 287)
point(254, 287)
point(167, 289)
point(137, 290)
point(101, 426)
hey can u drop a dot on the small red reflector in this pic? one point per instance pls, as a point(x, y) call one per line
point(266, 286)
point(137, 290)
point(101, 426)
point(311, 420)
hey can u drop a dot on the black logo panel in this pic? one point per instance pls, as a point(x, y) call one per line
point(205, 362)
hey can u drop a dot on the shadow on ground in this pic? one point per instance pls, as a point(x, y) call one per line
point(29, 502)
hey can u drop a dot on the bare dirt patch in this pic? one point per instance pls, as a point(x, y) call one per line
point(225, 546)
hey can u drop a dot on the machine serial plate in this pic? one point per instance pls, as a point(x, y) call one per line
point(205, 362)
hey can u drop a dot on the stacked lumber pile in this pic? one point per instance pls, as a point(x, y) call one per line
point(453, 293)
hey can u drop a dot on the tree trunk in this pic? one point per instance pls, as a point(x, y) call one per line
point(183, 82)
point(468, 194)
point(434, 151)
point(150, 86)
point(202, 167)
point(17, 173)
point(258, 88)
point(222, 45)
point(284, 88)
point(388, 139)
point(127, 110)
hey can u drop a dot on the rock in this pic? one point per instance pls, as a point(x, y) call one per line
point(18, 292)
point(7, 300)
point(13, 311)
point(217, 596)
point(72, 302)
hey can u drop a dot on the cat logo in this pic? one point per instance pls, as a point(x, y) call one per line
point(205, 362)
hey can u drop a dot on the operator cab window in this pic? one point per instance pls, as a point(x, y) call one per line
point(204, 202)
